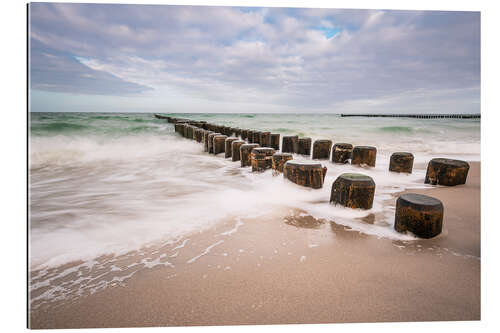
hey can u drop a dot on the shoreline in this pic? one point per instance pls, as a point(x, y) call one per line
point(295, 269)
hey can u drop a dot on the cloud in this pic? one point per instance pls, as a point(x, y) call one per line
point(310, 59)
point(56, 71)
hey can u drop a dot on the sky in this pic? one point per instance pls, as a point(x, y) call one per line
point(162, 58)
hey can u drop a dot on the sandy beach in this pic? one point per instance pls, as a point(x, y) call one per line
point(292, 268)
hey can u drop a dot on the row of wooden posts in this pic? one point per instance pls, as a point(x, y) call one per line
point(422, 215)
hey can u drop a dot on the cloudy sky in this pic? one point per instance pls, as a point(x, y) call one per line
point(159, 58)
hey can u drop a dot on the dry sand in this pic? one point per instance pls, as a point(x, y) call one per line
point(291, 269)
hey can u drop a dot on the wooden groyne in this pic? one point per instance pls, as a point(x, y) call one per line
point(419, 116)
point(353, 190)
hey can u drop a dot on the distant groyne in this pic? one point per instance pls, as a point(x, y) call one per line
point(420, 116)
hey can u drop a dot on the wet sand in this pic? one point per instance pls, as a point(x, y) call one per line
point(289, 269)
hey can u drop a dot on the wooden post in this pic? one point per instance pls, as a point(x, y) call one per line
point(321, 149)
point(261, 158)
point(256, 137)
point(353, 190)
point(420, 214)
point(245, 153)
point(304, 173)
point(304, 146)
point(275, 141)
point(364, 155)
point(448, 172)
point(341, 152)
point(205, 139)
point(219, 144)
point(244, 134)
point(250, 136)
point(227, 150)
point(290, 144)
point(211, 142)
point(265, 139)
point(179, 128)
point(279, 160)
point(235, 150)
point(198, 134)
point(401, 162)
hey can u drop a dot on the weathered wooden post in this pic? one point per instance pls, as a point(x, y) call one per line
point(235, 149)
point(279, 160)
point(304, 146)
point(353, 190)
point(191, 132)
point(290, 144)
point(341, 152)
point(305, 173)
point(179, 128)
point(364, 155)
point(205, 139)
point(321, 149)
point(256, 137)
point(401, 162)
point(265, 139)
point(211, 142)
point(448, 172)
point(249, 136)
point(203, 131)
point(261, 158)
point(227, 150)
point(219, 143)
point(420, 214)
point(245, 153)
point(230, 131)
point(275, 141)
point(198, 134)
point(244, 134)
point(223, 130)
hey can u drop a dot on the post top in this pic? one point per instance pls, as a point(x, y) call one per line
point(283, 154)
point(355, 177)
point(401, 153)
point(249, 145)
point(304, 163)
point(420, 199)
point(365, 147)
point(263, 149)
point(449, 161)
point(343, 145)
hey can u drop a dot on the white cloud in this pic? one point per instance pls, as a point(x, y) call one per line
point(275, 56)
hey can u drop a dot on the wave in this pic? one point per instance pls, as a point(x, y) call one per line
point(396, 129)
point(58, 127)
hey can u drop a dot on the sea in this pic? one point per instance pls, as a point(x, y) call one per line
point(112, 183)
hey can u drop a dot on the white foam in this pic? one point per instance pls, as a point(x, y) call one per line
point(235, 229)
point(91, 196)
point(205, 252)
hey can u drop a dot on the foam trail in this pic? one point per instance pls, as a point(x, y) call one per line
point(235, 229)
point(206, 251)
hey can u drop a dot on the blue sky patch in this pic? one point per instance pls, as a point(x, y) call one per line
point(328, 32)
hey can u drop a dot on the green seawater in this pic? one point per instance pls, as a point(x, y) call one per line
point(445, 136)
